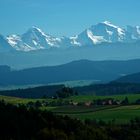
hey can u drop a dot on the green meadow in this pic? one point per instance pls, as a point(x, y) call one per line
point(117, 113)
point(82, 98)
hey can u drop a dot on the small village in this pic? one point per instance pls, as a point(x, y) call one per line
point(66, 102)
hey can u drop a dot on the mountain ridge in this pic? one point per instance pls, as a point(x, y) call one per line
point(104, 32)
point(103, 71)
point(130, 78)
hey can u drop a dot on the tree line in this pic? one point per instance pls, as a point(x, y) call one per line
point(56, 91)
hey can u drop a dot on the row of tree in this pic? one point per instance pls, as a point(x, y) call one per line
point(66, 102)
point(60, 91)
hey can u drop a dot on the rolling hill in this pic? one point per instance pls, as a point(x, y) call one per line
point(103, 71)
point(131, 78)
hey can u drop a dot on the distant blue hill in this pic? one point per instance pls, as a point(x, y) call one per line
point(131, 78)
point(103, 71)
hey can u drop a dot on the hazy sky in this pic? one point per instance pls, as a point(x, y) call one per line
point(65, 17)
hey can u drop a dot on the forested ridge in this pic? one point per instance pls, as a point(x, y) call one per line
point(112, 88)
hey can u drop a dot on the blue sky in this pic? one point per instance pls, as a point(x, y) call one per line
point(65, 17)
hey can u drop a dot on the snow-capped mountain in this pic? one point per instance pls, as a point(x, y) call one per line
point(4, 45)
point(36, 39)
point(33, 39)
point(103, 32)
point(134, 31)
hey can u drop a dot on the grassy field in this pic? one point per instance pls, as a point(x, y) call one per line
point(15, 100)
point(82, 98)
point(122, 114)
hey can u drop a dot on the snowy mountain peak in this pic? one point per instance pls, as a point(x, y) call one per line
point(35, 28)
point(134, 31)
point(35, 31)
point(12, 39)
point(102, 32)
point(138, 29)
point(95, 39)
point(108, 23)
point(4, 45)
point(34, 38)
